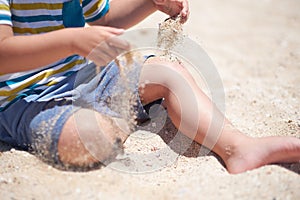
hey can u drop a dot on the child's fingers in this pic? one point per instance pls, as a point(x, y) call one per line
point(177, 7)
point(111, 51)
point(185, 11)
point(115, 31)
point(108, 50)
point(112, 39)
point(118, 43)
point(170, 7)
point(97, 58)
point(159, 2)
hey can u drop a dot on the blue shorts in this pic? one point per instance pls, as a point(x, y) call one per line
point(35, 123)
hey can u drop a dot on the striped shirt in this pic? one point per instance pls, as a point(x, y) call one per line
point(29, 17)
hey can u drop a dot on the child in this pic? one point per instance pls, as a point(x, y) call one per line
point(44, 48)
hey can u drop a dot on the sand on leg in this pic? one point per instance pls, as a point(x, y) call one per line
point(89, 137)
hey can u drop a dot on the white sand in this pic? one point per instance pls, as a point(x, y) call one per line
point(256, 47)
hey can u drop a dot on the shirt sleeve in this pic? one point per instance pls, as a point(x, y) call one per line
point(94, 9)
point(5, 14)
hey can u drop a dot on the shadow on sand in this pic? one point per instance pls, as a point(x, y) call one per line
point(186, 147)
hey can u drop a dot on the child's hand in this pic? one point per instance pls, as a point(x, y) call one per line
point(99, 44)
point(174, 7)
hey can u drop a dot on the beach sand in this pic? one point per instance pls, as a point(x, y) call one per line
point(255, 46)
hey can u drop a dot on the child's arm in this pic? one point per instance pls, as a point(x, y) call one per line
point(21, 53)
point(127, 13)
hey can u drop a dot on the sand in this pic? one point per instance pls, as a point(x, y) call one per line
point(255, 46)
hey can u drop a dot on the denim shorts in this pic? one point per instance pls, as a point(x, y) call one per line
point(35, 123)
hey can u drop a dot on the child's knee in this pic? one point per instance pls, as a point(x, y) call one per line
point(164, 62)
point(88, 137)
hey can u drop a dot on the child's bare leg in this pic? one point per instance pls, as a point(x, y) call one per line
point(89, 137)
point(183, 97)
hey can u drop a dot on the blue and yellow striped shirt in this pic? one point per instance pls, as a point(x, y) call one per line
point(29, 17)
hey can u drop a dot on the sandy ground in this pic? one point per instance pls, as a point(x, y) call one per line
point(255, 46)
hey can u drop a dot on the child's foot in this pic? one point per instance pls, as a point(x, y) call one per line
point(256, 152)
